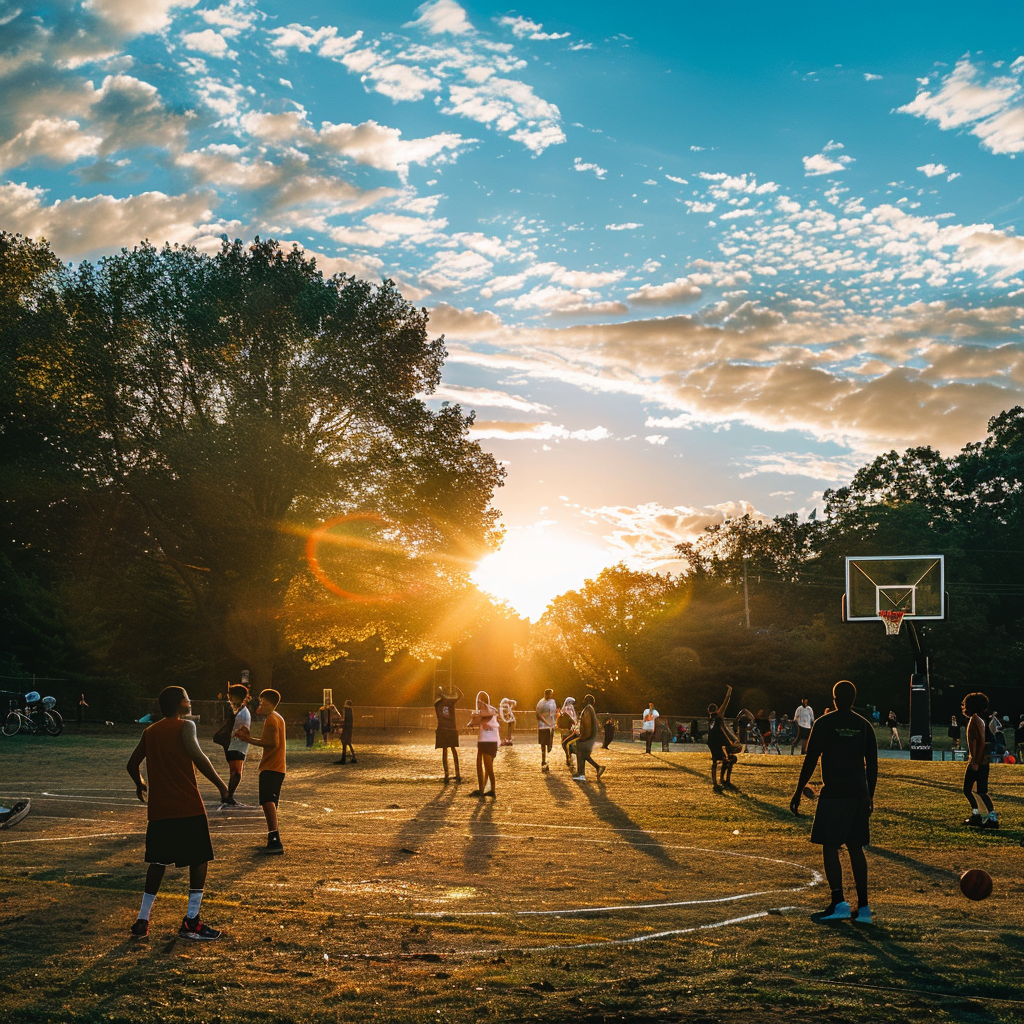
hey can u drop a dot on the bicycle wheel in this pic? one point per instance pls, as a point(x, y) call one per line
point(12, 724)
point(53, 723)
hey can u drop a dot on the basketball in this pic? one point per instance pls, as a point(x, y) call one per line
point(1009, 759)
point(809, 793)
point(976, 884)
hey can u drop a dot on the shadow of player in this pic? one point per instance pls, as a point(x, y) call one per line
point(428, 820)
point(559, 790)
point(612, 814)
point(483, 839)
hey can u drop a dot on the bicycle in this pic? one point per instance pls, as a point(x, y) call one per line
point(32, 714)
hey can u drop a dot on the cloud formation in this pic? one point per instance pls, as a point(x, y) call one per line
point(992, 105)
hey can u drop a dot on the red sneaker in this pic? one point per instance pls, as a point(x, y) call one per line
point(191, 928)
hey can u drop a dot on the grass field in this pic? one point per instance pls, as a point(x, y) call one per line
point(645, 897)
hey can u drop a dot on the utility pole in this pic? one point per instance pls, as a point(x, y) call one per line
point(746, 597)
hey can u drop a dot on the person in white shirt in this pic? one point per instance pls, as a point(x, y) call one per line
point(486, 718)
point(238, 695)
point(650, 723)
point(804, 718)
point(547, 713)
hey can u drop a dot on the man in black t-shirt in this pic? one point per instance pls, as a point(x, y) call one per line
point(846, 746)
point(447, 735)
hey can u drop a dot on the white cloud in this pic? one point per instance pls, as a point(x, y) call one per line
point(994, 107)
point(579, 165)
point(628, 226)
point(516, 431)
point(471, 398)
point(821, 164)
point(868, 77)
point(209, 42)
point(55, 139)
point(442, 16)
point(232, 18)
point(136, 17)
point(523, 28)
point(682, 289)
point(933, 170)
point(656, 439)
point(678, 181)
point(81, 227)
point(835, 470)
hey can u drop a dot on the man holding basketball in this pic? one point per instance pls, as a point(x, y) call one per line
point(845, 744)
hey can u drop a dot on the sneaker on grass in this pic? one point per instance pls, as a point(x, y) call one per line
point(990, 823)
point(601, 771)
point(862, 915)
point(579, 778)
point(140, 930)
point(274, 846)
point(975, 821)
point(836, 912)
point(192, 928)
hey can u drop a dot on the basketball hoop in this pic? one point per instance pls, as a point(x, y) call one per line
point(893, 620)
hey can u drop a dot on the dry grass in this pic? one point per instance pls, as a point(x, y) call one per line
point(400, 898)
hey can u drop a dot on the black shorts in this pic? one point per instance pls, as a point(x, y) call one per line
point(180, 841)
point(487, 747)
point(545, 737)
point(841, 822)
point(802, 733)
point(270, 786)
point(444, 738)
point(719, 754)
point(977, 780)
point(234, 755)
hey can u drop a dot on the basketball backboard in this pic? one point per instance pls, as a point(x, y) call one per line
point(912, 584)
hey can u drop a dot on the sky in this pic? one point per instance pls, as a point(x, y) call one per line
point(690, 261)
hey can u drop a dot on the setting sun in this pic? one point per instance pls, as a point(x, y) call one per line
point(534, 566)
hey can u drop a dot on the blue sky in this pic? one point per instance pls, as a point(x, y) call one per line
point(690, 261)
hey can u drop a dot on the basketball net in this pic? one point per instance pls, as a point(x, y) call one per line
point(893, 620)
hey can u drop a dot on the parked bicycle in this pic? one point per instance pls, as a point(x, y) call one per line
point(31, 714)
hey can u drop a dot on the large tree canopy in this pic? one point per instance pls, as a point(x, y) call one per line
point(213, 411)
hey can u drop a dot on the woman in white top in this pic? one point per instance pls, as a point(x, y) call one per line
point(486, 718)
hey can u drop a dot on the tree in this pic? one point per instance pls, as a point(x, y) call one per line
point(216, 410)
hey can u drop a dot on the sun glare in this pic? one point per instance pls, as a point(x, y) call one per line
point(534, 566)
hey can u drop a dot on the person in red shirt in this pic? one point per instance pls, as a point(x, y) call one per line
point(272, 766)
point(178, 831)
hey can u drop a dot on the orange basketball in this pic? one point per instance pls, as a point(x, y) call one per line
point(976, 884)
point(1009, 759)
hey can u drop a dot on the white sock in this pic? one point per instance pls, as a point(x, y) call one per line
point(975, 812)
point(147, 905)
point(195, 899)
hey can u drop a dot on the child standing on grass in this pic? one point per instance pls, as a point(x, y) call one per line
point(486, 718)
point(178, 831)
point(272, 767)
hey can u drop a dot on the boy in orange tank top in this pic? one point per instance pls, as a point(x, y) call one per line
point(178, 831)
point(272, 766)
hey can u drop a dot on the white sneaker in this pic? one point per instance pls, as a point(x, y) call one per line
point(840, 912)
point(579, 778)
point(862, 915)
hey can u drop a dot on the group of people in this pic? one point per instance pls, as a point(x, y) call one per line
point(329, 720)
point(841, 740)
point(997, 727)
point(578, 732)
point(178, 830)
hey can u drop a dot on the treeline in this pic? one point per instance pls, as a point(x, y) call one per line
point(175, 428)
point(681, 640)
point(210, 463)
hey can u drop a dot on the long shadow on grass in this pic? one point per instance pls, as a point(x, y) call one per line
point(949, 787)
point(560, 792)
point(612, 814)
point(430, 818)
point(483, 839)
point(914, 865)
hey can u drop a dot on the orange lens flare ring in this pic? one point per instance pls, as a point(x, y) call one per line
point(312, 559)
